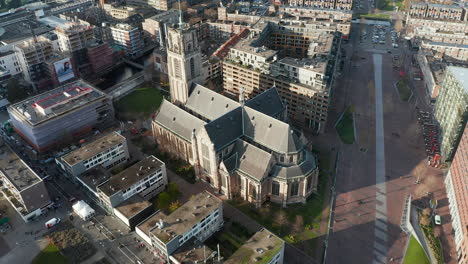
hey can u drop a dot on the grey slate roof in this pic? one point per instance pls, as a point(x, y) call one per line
point(225, 129)
point(270, 132)
point(208, 103)
point(268, 102)
point(252, 160)
point(304, 168)
point(177, 120)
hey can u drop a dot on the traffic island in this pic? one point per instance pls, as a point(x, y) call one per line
point(345, 126)
point(403, 90)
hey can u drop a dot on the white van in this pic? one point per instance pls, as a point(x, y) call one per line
point(52, 222)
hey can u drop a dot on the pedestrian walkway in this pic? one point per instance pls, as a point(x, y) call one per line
point(381, 229)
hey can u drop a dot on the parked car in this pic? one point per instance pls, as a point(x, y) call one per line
point(52, 222)
point(437, 220)
point(72, 200)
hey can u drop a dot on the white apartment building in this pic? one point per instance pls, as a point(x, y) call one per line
point(454, 212)
point(147, 178)
point(107, 151)
point(9, 61)
point(255, 57)
point(305, 71)
point(198, 218)
point(128, 38)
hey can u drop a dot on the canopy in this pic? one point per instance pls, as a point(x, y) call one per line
point(83, 210)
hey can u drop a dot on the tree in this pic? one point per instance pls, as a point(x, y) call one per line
point(281, 220)
point(298, 225)
point(14, 91)
point(174, 205)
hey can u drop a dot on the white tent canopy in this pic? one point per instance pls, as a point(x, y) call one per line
point(83, 210)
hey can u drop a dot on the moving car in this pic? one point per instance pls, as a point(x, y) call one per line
point(437, 220)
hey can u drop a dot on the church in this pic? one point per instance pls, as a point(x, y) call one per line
point(243, 149)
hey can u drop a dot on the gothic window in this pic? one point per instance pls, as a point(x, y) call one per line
point(177, 73)
point(223, 181)
point(309, 182)
point(192, 68)
point(253, 191)
point(294, 189)
point(275, 188)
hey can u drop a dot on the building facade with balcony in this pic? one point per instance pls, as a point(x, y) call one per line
point(451, 111)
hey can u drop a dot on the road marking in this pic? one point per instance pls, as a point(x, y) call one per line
point(380, 230)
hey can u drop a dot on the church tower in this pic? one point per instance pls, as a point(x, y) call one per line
point(183, 61)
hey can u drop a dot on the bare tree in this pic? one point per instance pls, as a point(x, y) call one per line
point(281, 219)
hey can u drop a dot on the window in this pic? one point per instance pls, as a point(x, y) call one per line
point(309, 182)
point(275, 187)
point(294, 189)
point(192, 68)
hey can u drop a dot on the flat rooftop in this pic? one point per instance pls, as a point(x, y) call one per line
point(186, 216)
point(94, 177)
point(262, 246)
point(91, 149)
point(245, 46)
point(14, 168)
point(192, 252)
point(461, 74)
point(131, 175)
point(150, 222)
point(133, 206)
point(316, 65)
point(56, 102)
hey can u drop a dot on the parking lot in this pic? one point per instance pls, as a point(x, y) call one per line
point(379, 37)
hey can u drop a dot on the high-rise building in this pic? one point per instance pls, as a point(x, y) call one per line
point(156, 25)
point(61, 114)
point(74, 38)
point(31, 56)
point(451, 111)
point(183, 61)
point(457, 192)
point(128, 37)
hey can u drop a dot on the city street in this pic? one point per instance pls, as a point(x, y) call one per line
point(378, 171)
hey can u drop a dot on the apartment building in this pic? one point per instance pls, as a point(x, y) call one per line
point(457, 193)
point(253, 68)
point(61, 114)
point(327, 4)
point(74, 37)
point(106, 151)
point(155, 26)
point(128, 38)
point(119, 12)
point(451, 111)
point(101, 57)
point(9, 61)
point(21, 186)
point(198, 219)
point(450, 51)
point(263, 246)
point(146, 178)
point(31, 56)
point(163, 5)
point(437, 11)
point(432, 69)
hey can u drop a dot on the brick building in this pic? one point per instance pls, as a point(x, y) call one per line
point(457, 192)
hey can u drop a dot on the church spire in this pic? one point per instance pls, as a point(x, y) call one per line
point(181, 21)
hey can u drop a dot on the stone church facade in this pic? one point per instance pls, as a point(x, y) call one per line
point(244, 148)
